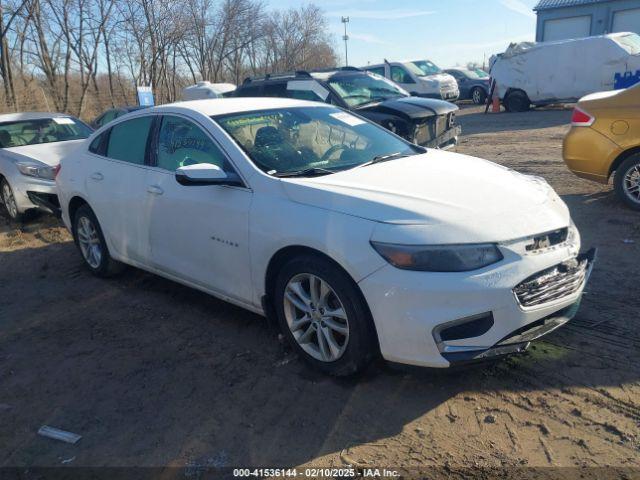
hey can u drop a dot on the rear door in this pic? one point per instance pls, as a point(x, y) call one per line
point(197, 233)
point(115, 183)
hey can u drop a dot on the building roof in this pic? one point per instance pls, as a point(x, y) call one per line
point(549, 4)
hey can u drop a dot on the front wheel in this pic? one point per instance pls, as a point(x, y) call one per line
point(323, 315)
point(9, 201)
point(478, 95)
point(517, 101)
point(627, 181)
point(90, 240)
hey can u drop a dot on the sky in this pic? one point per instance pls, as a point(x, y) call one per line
point(447, 32)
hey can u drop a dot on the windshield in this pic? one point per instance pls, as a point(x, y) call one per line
point(481, 73)
point(358, 90)
point(42, 130)
point(323, 138)
point(426, 67)
point(631, 43)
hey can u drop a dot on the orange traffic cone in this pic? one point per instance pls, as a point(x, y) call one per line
point(495, 97)
point(495, 104)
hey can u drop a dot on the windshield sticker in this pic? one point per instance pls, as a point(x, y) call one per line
point(308, 86)
point(350, 120)
point(64, 121)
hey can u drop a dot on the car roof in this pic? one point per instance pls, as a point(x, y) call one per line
point(222, 106)
point(16, 117)
point(132, 108)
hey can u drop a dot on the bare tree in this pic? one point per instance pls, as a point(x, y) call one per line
point(84, 55)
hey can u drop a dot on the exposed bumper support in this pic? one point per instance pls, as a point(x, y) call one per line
point(447, 140)
point(45, 201)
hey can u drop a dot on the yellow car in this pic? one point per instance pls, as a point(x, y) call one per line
point(605, 138)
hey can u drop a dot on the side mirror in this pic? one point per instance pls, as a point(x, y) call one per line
point(205, 174)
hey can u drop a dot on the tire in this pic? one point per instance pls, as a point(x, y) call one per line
point(9, 201)
point(517, 101)
point(478, 95)
point(90, 241)
point(626, 182)
point(354, 341)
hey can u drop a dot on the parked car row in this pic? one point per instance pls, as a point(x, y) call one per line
point(426, 122)
point(323, 211)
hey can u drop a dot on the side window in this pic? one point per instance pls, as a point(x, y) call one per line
point(181, 142)
point(250, 91)
point(306, 90)
point(400, 75)
point(97, 144)
point(128, 140)
point(377, 71)
point(275, 90)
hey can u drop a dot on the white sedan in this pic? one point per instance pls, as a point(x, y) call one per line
point(31, 145)
point(358, 242)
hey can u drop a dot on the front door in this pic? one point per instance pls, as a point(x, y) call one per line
point(197, 233)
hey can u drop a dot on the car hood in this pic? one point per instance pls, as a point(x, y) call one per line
point(462, 199)
point(411, 107)
point(47, 153)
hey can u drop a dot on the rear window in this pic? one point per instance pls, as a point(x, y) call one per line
point(128, 140)
point(42, 130)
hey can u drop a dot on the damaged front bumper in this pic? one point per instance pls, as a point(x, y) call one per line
point(446, 140)
point(440, 319)
point(549, 285)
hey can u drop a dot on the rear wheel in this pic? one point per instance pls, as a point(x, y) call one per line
point(478, 95)
point(517, 101)
point(323, 315)
point(627, 181)
point(90, 240)
point(9, 201)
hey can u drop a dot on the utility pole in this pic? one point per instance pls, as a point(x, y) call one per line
point(345, 37)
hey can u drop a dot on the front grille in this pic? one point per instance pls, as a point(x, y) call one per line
point(548, 240)
point(422, 134)
point(441, 125)
point(553, 283)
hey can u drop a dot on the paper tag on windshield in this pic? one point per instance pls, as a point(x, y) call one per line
point(64, 121)
point(347, 118)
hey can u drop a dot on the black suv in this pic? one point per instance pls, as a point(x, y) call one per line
point(424, 121)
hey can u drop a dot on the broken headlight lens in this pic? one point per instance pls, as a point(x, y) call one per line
point(439, 258)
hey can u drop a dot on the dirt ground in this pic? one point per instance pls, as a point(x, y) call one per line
point(151, 373)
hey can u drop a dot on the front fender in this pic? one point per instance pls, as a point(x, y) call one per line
point(277, 223)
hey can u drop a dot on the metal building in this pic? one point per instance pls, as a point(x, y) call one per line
point(561, 19)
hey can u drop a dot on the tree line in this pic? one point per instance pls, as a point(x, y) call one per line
point(81, 56)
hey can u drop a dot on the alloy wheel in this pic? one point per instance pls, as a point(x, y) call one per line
point(477, 96)
point(316, 317)
point(631, 183)
point(89, 242)
point(9, 200)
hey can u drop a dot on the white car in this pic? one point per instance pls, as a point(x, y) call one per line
point(31, 145)
point(357, 241)
point(421, 78)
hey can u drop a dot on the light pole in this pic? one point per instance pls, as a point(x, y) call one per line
point(345, 37)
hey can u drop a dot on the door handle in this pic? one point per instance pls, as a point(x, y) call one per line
point(155, 190)
point(97, 176)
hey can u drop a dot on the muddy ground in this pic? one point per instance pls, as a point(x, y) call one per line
point(151, 373)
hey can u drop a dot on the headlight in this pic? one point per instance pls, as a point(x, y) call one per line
point(439, 258)
point(35, 170)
